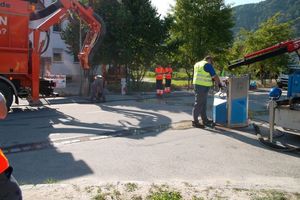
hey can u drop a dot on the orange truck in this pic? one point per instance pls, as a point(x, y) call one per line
point(21, 46)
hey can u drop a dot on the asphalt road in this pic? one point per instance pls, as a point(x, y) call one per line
point(130, 139)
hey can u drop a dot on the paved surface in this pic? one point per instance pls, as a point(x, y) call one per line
point(140, 138)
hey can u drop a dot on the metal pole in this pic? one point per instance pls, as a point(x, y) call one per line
point(272, 105)
point(81, 70)
point(229, 102)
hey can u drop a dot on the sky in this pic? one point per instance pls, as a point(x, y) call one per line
point(164, 5)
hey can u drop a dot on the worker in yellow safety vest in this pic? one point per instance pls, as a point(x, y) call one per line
point(159, 71)
point(9, 188)
point(168, 78)
point(204, 75)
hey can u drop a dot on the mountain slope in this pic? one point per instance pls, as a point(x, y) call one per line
point(249, 16)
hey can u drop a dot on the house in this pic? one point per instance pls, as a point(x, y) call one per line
point(56, 60)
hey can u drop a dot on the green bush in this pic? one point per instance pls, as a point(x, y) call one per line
point(176, 75)
point(150, 74)
point(180, 76)
point(165, 195)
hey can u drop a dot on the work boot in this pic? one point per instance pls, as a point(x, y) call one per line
point(209, 123)
point(197, 124)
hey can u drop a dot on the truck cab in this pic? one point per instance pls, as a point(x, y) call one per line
point(283, 78)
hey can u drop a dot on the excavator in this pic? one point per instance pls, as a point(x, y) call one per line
point(21, 46)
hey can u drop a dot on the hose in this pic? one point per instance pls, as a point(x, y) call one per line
point(99, 39)
point(47, 44)
point(45, 12)
point(274, 146)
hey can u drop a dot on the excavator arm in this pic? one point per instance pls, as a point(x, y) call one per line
point(278, 49)
point(61, 9)
point(55, 13)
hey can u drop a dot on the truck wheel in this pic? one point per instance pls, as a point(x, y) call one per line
point(8, 94)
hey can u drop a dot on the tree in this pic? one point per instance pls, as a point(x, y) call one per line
point(135, 35)
point(146, 35)
point(118, 20)
point(269, 33)
point(201, 27)
point(71, 34)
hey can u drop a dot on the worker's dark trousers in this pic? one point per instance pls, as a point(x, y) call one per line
point(9, 188)
point(201, 93)
point(168, 82)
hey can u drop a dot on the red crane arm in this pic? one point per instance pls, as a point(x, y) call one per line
point(278, 49)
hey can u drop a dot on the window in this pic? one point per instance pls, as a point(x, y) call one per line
point(57, 55)
point(57, 28)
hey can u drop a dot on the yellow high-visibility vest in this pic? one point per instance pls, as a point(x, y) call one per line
point(201, 77)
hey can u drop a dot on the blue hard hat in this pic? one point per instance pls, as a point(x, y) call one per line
point(275, 93)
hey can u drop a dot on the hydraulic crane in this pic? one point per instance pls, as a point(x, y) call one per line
point(20, 57)
point(284, 113)
point(278, 49)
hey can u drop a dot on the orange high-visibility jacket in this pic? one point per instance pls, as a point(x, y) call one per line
point(159, 73)
point(168, 71)
point(3, 162)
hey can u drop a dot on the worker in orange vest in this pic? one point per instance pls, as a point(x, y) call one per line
point(159, 71)
point(168, 77)
point(9, 188)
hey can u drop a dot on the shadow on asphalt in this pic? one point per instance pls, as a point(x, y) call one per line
point(40, 123)
point(45, 166)
point(36, 124)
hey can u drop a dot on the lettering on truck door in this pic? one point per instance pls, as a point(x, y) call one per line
point(3, 25)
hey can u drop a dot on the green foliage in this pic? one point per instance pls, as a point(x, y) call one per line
point(50, 181)
point(147, 34)
point(197, 198)
point(250, 16)
point(201, 27)
point(165, 195)
point(99, 197)
point(71, 35)
point(134, 38)
point(271, 195)
point(269, 33)
point(131, 187)
point(175, 76)
point(150, 74)
point(117, 20)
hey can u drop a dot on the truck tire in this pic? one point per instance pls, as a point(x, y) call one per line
point(8, 94)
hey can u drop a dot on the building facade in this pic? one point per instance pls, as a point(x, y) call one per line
point(56, 60)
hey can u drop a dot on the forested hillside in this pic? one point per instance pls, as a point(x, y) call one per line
point(249, 16)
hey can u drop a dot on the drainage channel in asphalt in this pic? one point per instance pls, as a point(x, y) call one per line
point(122, 133)
point(82, 100)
